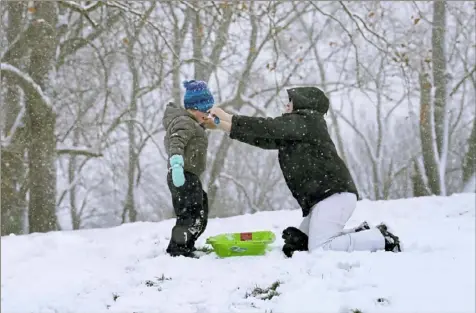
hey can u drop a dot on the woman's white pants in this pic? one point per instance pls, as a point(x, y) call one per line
point(325, 227)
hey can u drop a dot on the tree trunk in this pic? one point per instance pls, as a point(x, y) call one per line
point(41, 122)
point(439, 69)
point(441, 126)
point(217, 167)
point(75, 217)
point(470, 157)
point(197, 33)
point(203, 72)
point(179, 37)
point(130, 206)
point(12, 201)
point(426, 135)
point(332, 114)
point(419, 188)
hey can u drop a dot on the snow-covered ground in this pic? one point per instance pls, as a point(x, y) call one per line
point(125, 269)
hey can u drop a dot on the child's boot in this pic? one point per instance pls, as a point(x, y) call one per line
point(181, 243)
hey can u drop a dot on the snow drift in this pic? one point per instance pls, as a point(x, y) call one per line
point(125, 269)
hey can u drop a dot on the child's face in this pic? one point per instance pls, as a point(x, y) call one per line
point(209, 123)
point(288, 108)
point(200, 116)
point(203, 119)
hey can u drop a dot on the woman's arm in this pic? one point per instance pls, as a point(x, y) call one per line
point(262, 143)
point(292, 126)
point(287, 127)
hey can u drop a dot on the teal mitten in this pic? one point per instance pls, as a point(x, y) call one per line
point(176, 163)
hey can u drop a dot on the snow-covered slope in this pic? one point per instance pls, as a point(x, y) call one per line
point(124, 269)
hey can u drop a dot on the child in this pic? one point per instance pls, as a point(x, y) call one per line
point(186, 144)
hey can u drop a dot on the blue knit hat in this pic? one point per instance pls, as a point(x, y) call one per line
point(197, 96)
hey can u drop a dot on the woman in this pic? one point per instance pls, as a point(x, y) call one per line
point(315, 174)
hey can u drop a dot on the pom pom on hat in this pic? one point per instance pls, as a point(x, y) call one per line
point(187, 83)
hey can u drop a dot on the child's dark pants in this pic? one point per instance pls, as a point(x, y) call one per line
point(190, 204)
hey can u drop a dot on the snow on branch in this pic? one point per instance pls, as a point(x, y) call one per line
point(76, 6)
point(25, 81)
point(78, 150)
point(84, 10)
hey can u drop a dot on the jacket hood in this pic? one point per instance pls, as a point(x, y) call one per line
point(172, 111)
point(309, 98)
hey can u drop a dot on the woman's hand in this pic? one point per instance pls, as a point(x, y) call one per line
point(222, 115)
point(208, 123)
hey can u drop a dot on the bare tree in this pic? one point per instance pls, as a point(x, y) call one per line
point(41, 36)
point(41, 121)
point(13, 145)
point(279, 24)
point(133, 35)
point(439, 79)
point(85, 85)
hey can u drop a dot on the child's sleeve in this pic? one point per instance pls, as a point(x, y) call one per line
point(181, 131)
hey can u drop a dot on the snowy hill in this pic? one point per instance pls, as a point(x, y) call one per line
point(124, 269)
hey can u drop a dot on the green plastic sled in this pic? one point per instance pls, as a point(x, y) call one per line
point(241, 244)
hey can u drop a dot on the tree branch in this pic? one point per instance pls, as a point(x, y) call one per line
point(239, 185)
point(71, 46)
point(85, 151)
point(25, 81)
point(5, 141)
point(360, 30)
point(20, 41)
point(455, 89)
point(351, 38)
point(120, 6)
point(84, 10)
